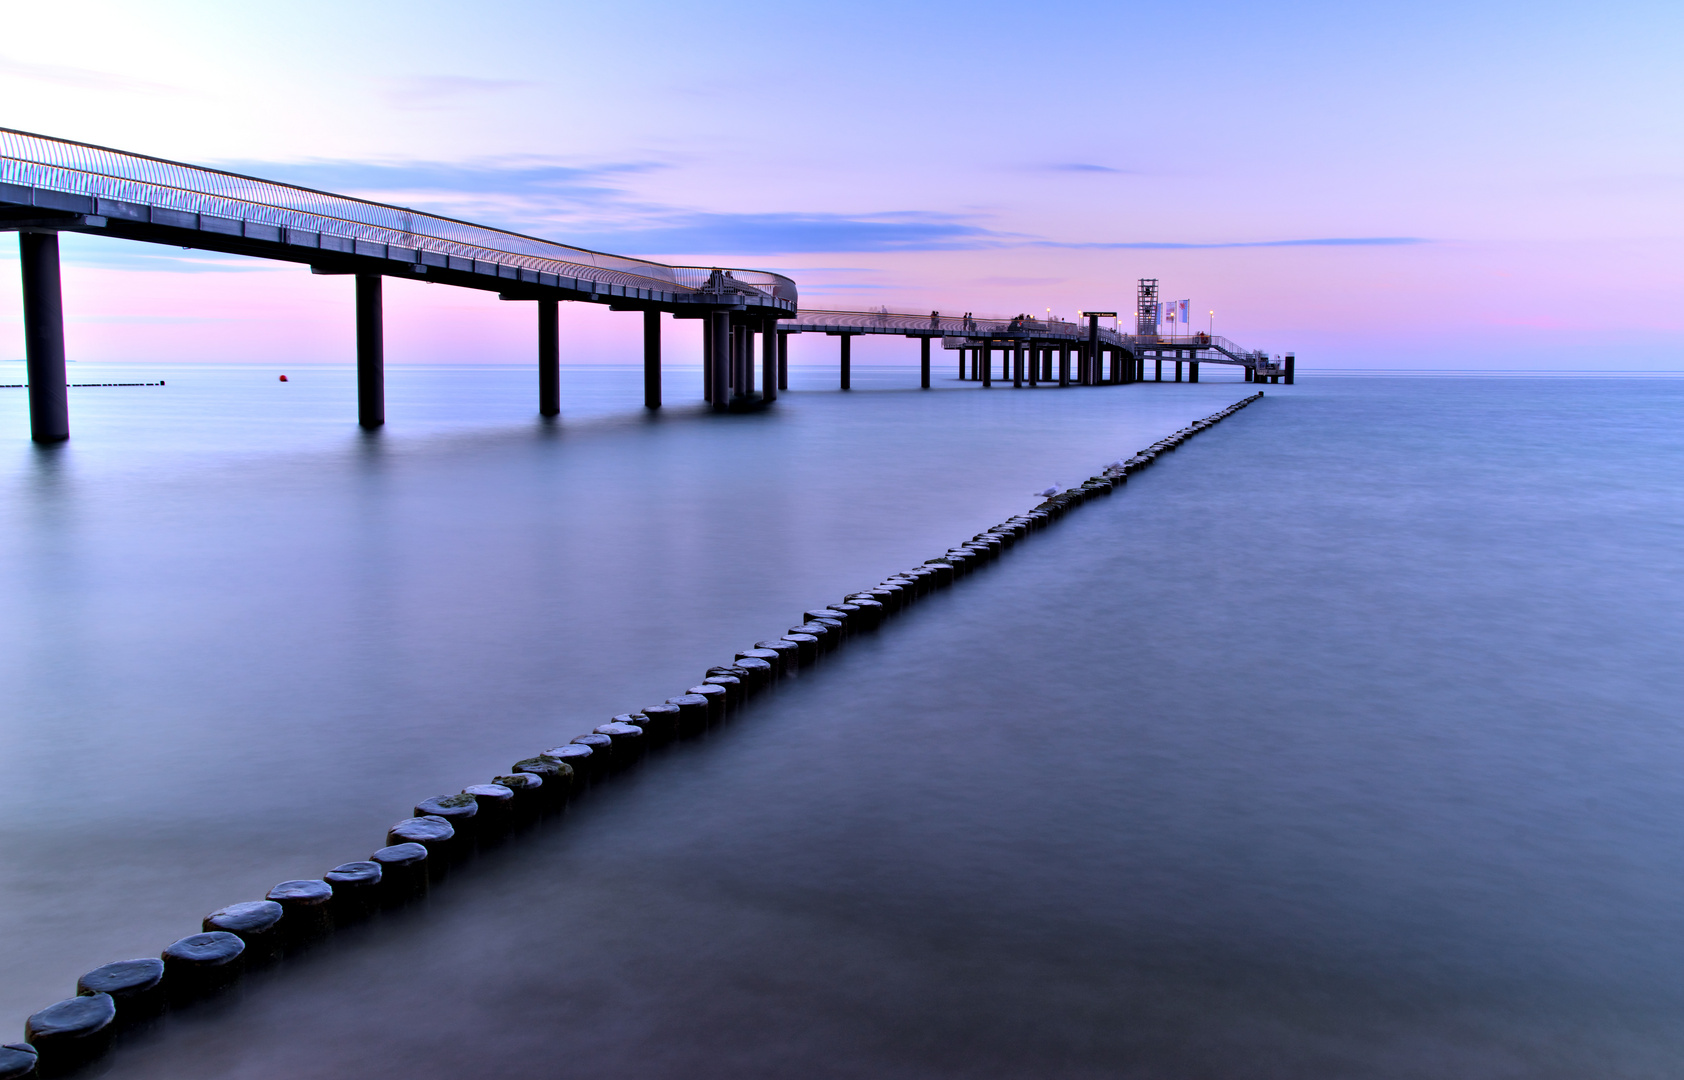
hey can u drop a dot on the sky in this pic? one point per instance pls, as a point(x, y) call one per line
point(1383, 185)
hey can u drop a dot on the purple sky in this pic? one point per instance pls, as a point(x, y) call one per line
point(1387, 185)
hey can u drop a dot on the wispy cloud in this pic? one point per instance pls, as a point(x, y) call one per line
point(1162, 245)
point(786, 233)
point(542, 184)
point(589, 205)
point(434, 92)
point(84, 78)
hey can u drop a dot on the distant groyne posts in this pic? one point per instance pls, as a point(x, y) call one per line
point(49, 186)
point(444, 832)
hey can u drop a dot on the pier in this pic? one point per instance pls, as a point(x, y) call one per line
point(50, 185)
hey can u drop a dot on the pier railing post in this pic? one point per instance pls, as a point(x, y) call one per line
point(770, 339)
point(371, 353)
point(923, 363)
point(651, 359)
point(549, 358)
point(43, 337)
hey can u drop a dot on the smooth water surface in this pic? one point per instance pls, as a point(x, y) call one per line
point(1343, 742)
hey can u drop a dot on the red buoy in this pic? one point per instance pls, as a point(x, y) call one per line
point(283, 378)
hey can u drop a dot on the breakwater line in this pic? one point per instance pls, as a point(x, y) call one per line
point(309, 909)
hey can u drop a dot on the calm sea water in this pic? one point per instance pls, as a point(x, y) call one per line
point(1344, 742)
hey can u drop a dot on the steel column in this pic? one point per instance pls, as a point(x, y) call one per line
point(1091, 374)
point(783, 361)
point(707, 358)
point(923, 363)
point(769, 341)
point(847, 361)
point(1064, 363)
point(43, 337)
point(985, 359)
point(549, 358)
point(1033, 359)
point(371, 353)
point(651, 359)
point(1017, 365)
point(719, 326)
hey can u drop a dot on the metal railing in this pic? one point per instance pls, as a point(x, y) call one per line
point(100, 172)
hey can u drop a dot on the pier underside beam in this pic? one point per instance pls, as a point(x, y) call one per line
point(43, 337)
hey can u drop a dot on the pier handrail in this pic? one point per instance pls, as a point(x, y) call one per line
point(86, 169)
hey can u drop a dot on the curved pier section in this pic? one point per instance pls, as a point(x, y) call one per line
point(446, 830)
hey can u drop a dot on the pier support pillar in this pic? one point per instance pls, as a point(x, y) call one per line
point(371, 353)
point(985, 360)
point(770, 339)
point(1032, 360)
point(549, 358)
point(742, 359)
point(847, 361)
point(1178, 369)
point(1247, 370)
point(43, 337)
point(1291, 362)
point(707, 359)
point(719, 332)
point(1193, 371)
point(1158, 367)
point(783, 361)
point(1016, 362)
point(1064, 363)
point(651, 359)
point(923, 363)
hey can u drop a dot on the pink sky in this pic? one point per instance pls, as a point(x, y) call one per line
point(1421, 185)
